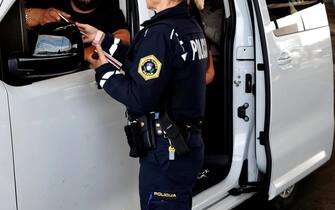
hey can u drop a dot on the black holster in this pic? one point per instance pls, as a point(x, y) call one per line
point(177, 135)
point(141, 135)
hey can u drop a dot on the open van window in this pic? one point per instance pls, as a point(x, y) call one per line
point(23, 64)
point(12, 36)
point(27, 54)
point(282, 8)
point(287, 15)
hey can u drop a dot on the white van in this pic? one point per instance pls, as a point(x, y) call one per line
point(269, 119)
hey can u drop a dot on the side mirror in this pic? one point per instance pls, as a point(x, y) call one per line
point(59, 50)
point(29, 67)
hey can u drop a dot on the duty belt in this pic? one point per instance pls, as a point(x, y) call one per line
point(162, 125)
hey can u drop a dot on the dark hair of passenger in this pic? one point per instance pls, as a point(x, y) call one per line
point(86, 5)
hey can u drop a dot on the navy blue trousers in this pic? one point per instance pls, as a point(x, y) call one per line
point(167, 184)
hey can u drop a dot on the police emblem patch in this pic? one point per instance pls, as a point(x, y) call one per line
point(149, 67)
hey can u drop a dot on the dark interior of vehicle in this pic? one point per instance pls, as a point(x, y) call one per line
point(11, 38)
point(217, 130)
point(23, 64)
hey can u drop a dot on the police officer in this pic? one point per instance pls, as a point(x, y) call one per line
point(163, 76)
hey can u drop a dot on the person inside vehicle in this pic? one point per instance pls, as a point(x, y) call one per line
point(163, 79)
point(211, 17)
point(104, 15)
point(196, 7)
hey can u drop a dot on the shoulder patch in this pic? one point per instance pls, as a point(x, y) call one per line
point(149, 67)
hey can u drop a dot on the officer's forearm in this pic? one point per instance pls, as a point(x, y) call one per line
point(119, 87)
point(125, 90)
point(114, 47)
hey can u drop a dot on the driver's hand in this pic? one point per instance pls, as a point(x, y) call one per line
point(51, 15)
point(38, 16)
point(89, 32)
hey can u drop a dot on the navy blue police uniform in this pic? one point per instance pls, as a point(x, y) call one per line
point(164, 67)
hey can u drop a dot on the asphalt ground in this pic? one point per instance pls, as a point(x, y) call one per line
point(317, 191)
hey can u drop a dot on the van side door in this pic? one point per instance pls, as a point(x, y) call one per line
point(298, 70)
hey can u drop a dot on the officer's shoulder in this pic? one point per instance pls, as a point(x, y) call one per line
point(168, 28)
point(160, 28)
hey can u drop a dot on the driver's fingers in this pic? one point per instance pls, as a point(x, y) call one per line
point(47, 20)
point(81, 26)
point(53, 14)
point(66, 15)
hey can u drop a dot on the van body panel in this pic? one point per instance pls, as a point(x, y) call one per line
point(144, 12)
point(5, 5)
point(123, 7)
point(243, 128)
point(70, 148)
point(297, 173)
point(301, 120)
point(230, 202)
point(7, 180)
point(305, 85)
point(260, 99)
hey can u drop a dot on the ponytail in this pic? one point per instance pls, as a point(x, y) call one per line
point(200, 4)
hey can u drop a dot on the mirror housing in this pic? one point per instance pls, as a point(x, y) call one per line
point(29, 67)
point(59, 50)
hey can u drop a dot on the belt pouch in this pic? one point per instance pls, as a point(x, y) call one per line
point(137, 147)
point(147, 127)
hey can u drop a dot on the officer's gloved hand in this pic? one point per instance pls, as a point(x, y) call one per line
point(114, 47)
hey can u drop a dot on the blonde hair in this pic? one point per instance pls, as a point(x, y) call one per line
point(200, 4)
